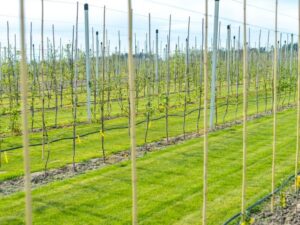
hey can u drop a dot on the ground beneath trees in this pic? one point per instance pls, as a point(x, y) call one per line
point(11, 186)
point(41, 178)
point(287, 215)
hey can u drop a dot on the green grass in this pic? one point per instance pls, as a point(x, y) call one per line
point(115, 140)
point(169, 182)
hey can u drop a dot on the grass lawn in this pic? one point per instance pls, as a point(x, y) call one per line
point(116, 140)
point(169, 182)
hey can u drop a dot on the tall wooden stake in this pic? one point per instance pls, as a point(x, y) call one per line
point(168, 81)
point(205, 143)
point(245, 109)
point(103, 84)
point(24, 97)
point(131, 80)
point(298, 105)
point(43, 83)
point(274, 107)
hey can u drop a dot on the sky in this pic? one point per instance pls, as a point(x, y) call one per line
point(62, 13)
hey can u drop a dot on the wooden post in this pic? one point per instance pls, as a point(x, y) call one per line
point(298, 105)
point(103, 44)
point(274, 107)
point(24, 97)
point(168, 81)
point(245, 108)
point(131, 80)
point(43, 83)
point(205, 122)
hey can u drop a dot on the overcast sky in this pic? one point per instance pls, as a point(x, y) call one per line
point(62, 14)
